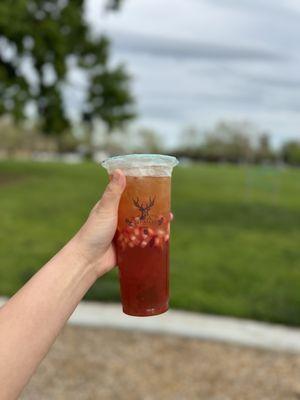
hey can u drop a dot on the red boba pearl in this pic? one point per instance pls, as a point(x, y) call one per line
point(132, 238)
point(157, 242)
point(120, 237)
point(129, 229)
point(145, 233)
point(160, 233)
point(136, 231)
point(136, 242)
point(147, 239)
point(150, 232)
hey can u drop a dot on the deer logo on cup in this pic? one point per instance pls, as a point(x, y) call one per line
point(144, 207)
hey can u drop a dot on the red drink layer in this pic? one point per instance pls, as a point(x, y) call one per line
point(142, 241)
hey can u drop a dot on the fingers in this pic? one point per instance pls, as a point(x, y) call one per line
point(112, 194)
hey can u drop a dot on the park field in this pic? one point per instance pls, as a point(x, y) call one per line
point(235, 237)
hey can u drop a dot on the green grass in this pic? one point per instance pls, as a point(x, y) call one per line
point(235, 237)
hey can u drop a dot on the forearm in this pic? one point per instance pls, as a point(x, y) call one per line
point(31, 320)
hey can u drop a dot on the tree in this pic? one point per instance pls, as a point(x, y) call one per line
point(264, 151)
point(191, 137)
point(291, 152)
point(230, 141)
point(150, 141)
point(49, 35)
point(25, 140)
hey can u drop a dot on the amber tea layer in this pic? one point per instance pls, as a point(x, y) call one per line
point(142, 242)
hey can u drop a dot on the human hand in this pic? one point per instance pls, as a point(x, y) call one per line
point(93, 241)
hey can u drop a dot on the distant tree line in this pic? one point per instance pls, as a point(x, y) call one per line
point(24, 140)
point(231, 142)
point(236, 142)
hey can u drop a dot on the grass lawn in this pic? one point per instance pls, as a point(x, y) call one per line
point(235, 239)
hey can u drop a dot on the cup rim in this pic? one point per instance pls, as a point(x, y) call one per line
point(128, 161)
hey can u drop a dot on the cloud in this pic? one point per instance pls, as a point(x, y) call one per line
point(195, 62)
point(290, 84)
point(189, 49)
point(287, 8)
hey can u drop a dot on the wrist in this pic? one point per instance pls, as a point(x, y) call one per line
point(85, 257)
point(74, 255)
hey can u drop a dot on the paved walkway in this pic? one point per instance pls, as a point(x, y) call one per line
point(88, 363)
point(188, 324)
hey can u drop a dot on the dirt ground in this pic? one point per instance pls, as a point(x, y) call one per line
point(92, 364)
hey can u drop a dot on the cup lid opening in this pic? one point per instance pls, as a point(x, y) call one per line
point(140, 160)
point(142, 164)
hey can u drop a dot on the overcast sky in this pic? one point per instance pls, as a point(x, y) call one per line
point(195, 62)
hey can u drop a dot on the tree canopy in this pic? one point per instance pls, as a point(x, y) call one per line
point(47, 35)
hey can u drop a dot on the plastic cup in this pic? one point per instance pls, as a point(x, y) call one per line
point(143, 234)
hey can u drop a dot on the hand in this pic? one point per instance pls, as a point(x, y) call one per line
point(94, 240)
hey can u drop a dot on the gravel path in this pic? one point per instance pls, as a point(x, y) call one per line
point(93, 363)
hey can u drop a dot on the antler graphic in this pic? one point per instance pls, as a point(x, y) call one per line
point(136, 202)
point(144, 209)
point(150, 204)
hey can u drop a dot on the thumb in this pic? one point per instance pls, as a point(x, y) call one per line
point(112, 194)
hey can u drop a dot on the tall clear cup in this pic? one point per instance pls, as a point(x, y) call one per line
point(143, 234)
